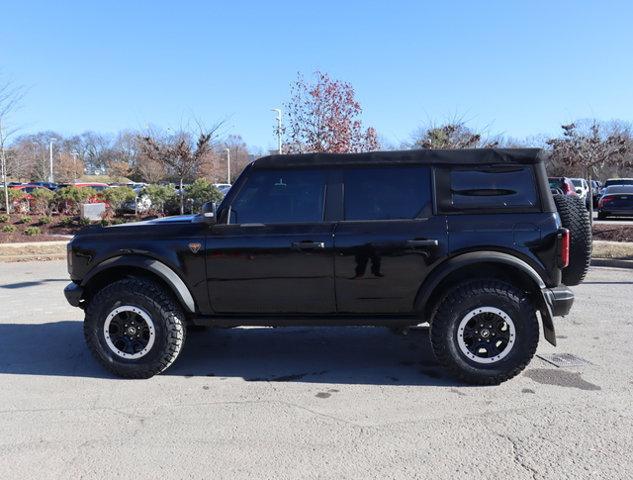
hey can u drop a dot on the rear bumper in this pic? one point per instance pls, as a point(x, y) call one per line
point(74, 293)
point(617, 211)
point(559, 299)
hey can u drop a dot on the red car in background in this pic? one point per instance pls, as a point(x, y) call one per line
point(27, 189)
point(562, 186)
point(25, 204)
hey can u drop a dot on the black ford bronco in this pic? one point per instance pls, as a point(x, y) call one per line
point(471, 241)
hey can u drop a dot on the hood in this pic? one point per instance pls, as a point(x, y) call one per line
point(156, 221)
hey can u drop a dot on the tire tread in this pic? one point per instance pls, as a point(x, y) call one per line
point(448, 307)
point(175, 331)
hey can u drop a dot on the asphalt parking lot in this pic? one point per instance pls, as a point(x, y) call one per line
point(309, 403)
point(613, 220)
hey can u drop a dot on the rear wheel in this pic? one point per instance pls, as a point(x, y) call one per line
point(575, 217)
point(134, 328)
point(485, 331)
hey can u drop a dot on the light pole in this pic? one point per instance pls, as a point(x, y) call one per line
point(3, 165)
point(50, 158)
point(228, 165)
point(278, 129)
point(74, 154)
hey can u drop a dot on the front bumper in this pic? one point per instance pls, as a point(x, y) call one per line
point(74, 293)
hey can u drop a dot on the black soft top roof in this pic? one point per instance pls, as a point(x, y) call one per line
point(467, 156)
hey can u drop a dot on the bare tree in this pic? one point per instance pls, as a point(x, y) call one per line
point(68, 167)
point(10, 97)
point(586, 150)
point(150, 170)
point(181, 156)
point(452, 135)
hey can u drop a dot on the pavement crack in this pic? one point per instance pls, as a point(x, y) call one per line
point(517, 457)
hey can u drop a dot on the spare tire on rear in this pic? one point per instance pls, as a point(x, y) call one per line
point(575, 217)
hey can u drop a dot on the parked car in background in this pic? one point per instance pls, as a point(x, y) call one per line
point(581, 187)
point(135, 185)
point(618, 181)
point(26, 188)
point(616, 200)
point(223, 187)
point(562, 186)
point(596, 192)
point(50, 185)
point(98, 187)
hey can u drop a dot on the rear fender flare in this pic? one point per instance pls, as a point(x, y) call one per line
point(441, 272)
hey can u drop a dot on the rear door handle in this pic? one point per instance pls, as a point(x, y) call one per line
point(308, 245)
point(422, 243)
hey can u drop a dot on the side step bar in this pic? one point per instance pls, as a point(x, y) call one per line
point(307, 320)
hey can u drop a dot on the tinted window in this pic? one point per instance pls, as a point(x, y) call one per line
point(624, 181)
point(280, 196)
point(493, 187)
point(618, 189)
point(387, 193)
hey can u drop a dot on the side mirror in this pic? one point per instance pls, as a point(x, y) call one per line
point(209, 211)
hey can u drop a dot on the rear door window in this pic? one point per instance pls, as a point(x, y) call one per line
point(281, 196)
point(387, 193)
point(493, 187)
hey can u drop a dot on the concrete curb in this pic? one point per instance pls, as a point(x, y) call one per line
point(611, 262)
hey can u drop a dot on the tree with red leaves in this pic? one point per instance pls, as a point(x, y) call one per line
point(324, 117)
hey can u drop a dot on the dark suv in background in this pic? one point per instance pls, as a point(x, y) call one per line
point(469, 241)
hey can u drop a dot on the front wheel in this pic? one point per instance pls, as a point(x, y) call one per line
point(134, 328)
point(485, 331)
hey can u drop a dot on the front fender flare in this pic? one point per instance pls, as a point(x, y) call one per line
point(164, 272)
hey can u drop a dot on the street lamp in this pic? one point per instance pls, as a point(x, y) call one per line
point(279, 128)
point(51, 178)
point(74, 154)
point(228, 165)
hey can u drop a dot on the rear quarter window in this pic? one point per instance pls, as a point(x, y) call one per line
point(490, 188)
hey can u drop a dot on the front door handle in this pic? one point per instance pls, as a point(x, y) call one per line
point(422, 243)
point(308, 245)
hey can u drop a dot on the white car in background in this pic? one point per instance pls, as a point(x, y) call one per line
point(581, 186)
point(223, 187)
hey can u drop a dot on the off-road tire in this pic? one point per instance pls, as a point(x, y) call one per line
point(470, 295)
point(165, 313)
point(575, 217)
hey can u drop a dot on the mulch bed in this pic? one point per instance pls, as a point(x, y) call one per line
point(613, 233)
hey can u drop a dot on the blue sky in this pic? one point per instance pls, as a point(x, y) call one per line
point(515, 68)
